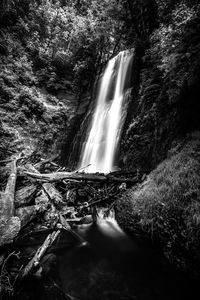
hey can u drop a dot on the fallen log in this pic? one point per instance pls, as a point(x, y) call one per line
point(9, 224)
point(53, 194)
point(9, 229)
point(34, 262)
point(58, 176)
point(48, 192)
point(8, 197)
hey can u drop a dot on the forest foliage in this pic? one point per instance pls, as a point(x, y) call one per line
point(64, 44)
point(165, 97)
point(58, 45)
point(61, 40)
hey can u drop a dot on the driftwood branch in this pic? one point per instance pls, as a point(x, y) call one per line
point(34, 262)
point(9, 224)
point(7, 198)
point(58, 176)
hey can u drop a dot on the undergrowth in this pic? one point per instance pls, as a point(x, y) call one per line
point(167, 206)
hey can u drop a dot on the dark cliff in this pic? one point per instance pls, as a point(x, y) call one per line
point(165, 104)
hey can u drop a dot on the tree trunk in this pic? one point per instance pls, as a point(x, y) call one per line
point(59, 176)
point(9, 225)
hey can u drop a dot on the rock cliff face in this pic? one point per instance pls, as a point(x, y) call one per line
point(32, 120)
point(165, 103)
point(35, 116)
point(45, 72)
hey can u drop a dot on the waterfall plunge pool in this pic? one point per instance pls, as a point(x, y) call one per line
point(105, 264)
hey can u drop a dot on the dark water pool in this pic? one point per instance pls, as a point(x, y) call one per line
point(102, 272)
point(141, 277)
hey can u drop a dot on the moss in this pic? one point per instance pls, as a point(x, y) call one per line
point(167, 206)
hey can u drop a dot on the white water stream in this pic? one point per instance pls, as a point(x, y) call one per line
point(101, 143)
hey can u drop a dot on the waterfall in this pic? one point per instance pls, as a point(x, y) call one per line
point(100, 146)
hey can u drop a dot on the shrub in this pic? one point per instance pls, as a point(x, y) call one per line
point(167, 38)
point(30, 103)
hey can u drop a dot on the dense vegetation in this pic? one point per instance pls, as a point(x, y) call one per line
point(56, 49)
point(166, 205)
point(166, 101)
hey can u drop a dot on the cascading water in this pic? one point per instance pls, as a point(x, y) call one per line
point(103, 136)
